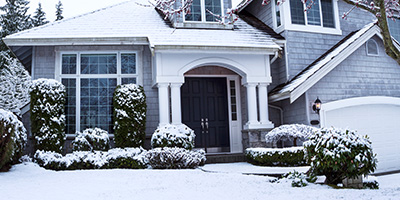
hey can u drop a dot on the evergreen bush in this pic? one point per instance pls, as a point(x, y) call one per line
point(91, 139)
point(129, 115)
point(288, 157)
point(290, 132)
point(47, 114)
point(175, 158)
point(173, 136)
point(339, 154)
point(12, 138)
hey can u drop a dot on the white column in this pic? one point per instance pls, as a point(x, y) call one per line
point(251, 104)
point(263, 103)
point(163, 100)
point(176, 103)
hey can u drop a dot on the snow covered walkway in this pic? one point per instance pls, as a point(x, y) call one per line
point(30, 182)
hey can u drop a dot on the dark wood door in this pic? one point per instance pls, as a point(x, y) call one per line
point(205, 99)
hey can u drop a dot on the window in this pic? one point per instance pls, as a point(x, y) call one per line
point(372, 48)
point(90, 80)
point(321, 13)
point(394, 28)
point(277, 14)
point(199, 10)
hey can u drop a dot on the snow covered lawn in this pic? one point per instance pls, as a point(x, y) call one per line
point(29, 181)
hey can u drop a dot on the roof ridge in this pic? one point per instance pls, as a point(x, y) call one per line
point(67, 19)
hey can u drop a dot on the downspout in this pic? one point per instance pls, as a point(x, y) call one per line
point(280, 110)
point(275, 57)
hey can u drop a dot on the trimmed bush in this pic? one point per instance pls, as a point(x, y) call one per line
point(173, 136)
point(132, 158)
point(91, 139)
point(290, 132)
point(175, 158)
point(339, 154)
point(12, 138)
point(287, 157)
point(129, 115)
point(47, 114)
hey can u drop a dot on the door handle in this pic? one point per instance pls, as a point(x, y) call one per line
point(202, 123)
point(207, 123)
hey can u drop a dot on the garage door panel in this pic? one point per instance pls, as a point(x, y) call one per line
point(381, 122)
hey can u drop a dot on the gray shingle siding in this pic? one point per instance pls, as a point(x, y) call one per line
point(44, 62)
point(263, 13)
point(294, 112)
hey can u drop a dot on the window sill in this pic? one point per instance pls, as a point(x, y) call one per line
point(203, 25)
point(310, 29)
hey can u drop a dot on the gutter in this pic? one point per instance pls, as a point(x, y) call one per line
point(76, 41)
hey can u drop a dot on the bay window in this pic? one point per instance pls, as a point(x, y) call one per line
point(90, 80)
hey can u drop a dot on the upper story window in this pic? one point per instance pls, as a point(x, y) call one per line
point(199, 10)
point(394, 28)
point(372, 48)
point(321, 17)
point(320, 14)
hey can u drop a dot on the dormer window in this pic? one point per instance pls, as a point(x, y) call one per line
point(372, 48)
point(199, 13)
point(321, 17)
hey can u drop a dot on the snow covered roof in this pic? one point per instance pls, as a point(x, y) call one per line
point(324, 64)
point(131, 23)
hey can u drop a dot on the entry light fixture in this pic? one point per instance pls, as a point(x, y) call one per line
point(317, 105)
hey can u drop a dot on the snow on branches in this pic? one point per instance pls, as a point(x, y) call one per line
point(290, 132)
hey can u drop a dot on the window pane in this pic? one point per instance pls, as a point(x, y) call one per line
point(128, 63)
point(297, 12)
point(98, 63)
point(313, 15)
point(215, 7)
point(233, 100)
point(394, 28)
point(195, 12)
point(327, 13)
point(277, 13)
point(70, 105)
point(128, 80)
point(372, 47)
point(68, 64)
point(96, 108)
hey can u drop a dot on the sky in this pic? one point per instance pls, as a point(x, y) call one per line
point(72, 8)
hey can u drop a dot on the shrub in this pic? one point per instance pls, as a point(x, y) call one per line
point(175, 158)
point(12, 138)
point(173, 136)
point(299, 179)
point(370, 182)
point(339, 154)
point(290, 132)
point(293, 156)
point(47, 114)
point(132, 158)
point(129, 115)
point(91, 139)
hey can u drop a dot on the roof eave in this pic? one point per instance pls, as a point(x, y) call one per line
point(76, 41)
point(269, 49)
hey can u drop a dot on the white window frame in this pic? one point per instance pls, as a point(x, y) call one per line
point(367, 49)
point(274, 18)
point(203, 13)
point(286, 21)
point(78, 76)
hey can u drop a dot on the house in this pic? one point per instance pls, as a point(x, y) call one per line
point(230, 83)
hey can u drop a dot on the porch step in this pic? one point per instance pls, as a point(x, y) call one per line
point(225, 158)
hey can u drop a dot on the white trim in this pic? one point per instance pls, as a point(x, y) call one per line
point(312, 80)
point(83, 40)
point(357, 101)
point(274, 18)
point(367, 49)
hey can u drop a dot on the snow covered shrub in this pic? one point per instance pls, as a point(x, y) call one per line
point(14, 84)
point(299, 179)
point(47, 114)
point(290, 132)
point(91, 139)
point(175, 158)
point(173, 136)
point(132, 158)
point(12, 138)
point(370, 182)
point(339, 154)
point(129, 115)
point(293, 156)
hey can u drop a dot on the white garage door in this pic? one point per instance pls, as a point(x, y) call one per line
point(377, 117)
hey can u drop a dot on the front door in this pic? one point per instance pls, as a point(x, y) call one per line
point(205, 110)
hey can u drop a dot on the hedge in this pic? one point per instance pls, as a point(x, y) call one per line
point(288, 157)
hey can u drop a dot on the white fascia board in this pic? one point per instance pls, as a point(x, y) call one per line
point(279, 97)
point(313, 79)
point(76, 41)
point(262, 50)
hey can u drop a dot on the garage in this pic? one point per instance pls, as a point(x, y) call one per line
point(376, 116)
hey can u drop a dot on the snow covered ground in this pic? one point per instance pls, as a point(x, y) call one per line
point(29, 181)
